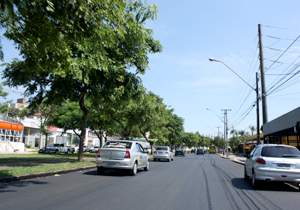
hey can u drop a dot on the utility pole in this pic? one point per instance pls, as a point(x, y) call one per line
point(257, 111)
point(262, 76)
point(225, 128)
point(218, 131)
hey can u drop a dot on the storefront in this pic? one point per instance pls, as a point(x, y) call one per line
point(284, 129)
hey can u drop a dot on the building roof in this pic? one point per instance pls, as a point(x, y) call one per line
point(286, 121)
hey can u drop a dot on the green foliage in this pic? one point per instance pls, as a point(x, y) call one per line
point(219, 142)
point(74, 50)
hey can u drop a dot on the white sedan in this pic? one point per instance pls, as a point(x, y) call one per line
point(163, 153)
point(273, 162)
point(122, 154)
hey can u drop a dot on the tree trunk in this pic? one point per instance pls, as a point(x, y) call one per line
point(83, 124)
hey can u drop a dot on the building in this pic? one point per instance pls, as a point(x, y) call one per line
point(11, 131)
point(284, 129)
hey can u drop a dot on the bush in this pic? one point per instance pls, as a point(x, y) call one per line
point(28, 146)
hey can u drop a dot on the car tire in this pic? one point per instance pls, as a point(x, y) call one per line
point(57, 152)
point(133, 171)
point(169, 159)
point(246, 177)
point(100, 170)
point(147, 166)
point(154, 159)
point(255, 183)
point(173, 159)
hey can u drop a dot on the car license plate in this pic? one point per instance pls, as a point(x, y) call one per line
point(111, 164)
point(283, 165)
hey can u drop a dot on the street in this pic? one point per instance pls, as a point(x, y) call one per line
point(191, 182)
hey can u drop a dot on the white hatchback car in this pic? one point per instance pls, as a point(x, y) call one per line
point(163, 152)
point(122, 154)
point(273, 162)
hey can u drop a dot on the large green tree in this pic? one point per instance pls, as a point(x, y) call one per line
point(78, 49)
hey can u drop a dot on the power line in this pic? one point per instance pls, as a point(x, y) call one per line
point(283, 53)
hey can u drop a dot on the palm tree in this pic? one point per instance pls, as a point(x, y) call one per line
point(252, 129)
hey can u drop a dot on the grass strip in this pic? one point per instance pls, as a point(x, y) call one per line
point(42, 155)
point(18, 171)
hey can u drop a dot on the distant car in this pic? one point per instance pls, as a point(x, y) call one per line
point(85, 149)
point(273, 162)
point(163, 153)
point(42, 150)
point(70, 149)
point(122, 154)
point(180, 152)
point(200, 152)
point(94, 150)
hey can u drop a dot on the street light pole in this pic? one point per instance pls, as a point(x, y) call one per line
point(257, 95)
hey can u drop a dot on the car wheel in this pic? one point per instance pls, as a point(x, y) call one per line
point(246, 177)
point(154, 159)
point(100, 170)
point(173, 159)
point(57, 152)
point(255, 183)
point(133, 171)
point(90, 151)
point(147, 166)
point(169, 159)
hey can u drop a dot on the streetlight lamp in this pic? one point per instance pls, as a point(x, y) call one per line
point(225, 128)
point(257, 96)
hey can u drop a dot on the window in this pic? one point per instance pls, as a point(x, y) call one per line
point(251, 154)
point(118, 144)
point(161, 148)
point(280, 151)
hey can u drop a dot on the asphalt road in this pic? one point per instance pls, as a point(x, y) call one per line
point(191, 182)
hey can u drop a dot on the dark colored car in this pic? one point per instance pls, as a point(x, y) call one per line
point(200, 151)
point(180, 152)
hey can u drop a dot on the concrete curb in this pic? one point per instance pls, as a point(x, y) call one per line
point(43, 174)
point(233, 160)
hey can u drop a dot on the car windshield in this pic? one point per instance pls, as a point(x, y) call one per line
point(279, 151)
point(118, 144)
point(162, 148)
point(54, 145)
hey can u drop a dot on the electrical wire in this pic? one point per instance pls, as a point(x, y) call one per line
point(283, 53)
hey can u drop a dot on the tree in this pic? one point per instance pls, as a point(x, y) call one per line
point(175, 128)
point(78, 50)
point(252, 129)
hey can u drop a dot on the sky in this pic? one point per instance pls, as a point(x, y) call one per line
point(193, 31)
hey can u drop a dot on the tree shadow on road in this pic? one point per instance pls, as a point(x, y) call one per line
point(5, 187)
point(242, 184)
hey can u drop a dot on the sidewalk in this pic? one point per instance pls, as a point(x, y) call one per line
point(235, 158)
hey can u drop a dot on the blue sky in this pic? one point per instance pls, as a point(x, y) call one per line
point(193, 31)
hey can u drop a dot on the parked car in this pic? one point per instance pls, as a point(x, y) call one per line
point(163, 153)
point(56, 148)
point(180, 151)
point(42, 150)
point(95, 149)
point(121, 154)
point(85, 149)
point(273, 162)
point(200, 151)
point(70, 149)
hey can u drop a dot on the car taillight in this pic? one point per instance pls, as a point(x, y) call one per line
point(167, 152)
point(98, 153)
point(127, 154)
point(260, 161)
point(155, 152)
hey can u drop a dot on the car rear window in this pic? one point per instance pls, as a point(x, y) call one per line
point(161, 148)
point(118, 144)
point(280, 152)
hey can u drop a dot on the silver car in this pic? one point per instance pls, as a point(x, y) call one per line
point(273, 162)
point(94, 150)
point(122, 154)
point(163, 153)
